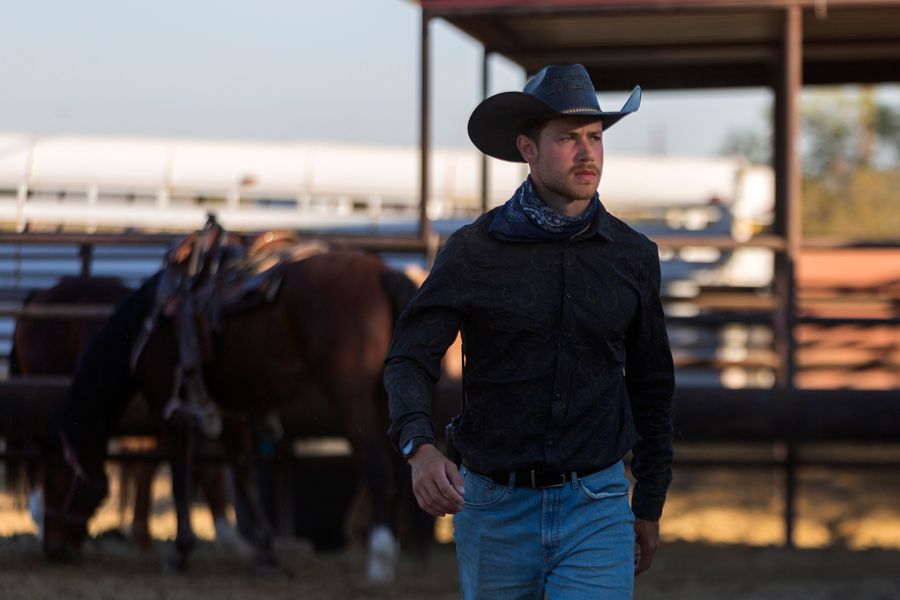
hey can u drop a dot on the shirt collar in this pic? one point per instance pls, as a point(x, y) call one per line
point(510, 222)
point(602, 224)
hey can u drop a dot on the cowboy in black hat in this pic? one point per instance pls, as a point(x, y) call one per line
point(568, 366)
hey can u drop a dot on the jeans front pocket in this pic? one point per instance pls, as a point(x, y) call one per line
point(608, 483)
point(481, 491)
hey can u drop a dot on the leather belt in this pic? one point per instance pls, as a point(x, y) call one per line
point(538, 478)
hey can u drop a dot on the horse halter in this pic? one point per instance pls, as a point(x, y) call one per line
point(79, 482)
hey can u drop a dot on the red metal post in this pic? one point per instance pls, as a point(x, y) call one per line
point(424, 129)
point(788, 187)
point(485, 90)
point(787, 221)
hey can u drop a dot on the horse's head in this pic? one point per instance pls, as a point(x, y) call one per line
point(74, 486)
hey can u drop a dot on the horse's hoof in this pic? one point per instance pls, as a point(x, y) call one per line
point(229, 538)
point(267, 566)
point(382, 560)
point(36, 508)
point(174, 564)
point(143, 544)
point(61, 553)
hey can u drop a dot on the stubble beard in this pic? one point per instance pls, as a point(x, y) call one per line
point(559, 185)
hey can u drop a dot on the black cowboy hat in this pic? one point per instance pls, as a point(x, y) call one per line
point(554, 92)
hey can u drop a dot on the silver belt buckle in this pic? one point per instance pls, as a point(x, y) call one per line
point(534, 484)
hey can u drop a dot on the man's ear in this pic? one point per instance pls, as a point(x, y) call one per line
point(527, 148)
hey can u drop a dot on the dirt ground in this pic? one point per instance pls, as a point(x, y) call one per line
point(691, 571)
point(722, 539)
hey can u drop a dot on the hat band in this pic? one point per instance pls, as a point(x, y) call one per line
point(569, 111)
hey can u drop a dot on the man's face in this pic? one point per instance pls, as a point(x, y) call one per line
point(567, 158)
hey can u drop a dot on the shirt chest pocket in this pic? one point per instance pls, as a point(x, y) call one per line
point(516, 300)
point(516, 319)
point(604, 310)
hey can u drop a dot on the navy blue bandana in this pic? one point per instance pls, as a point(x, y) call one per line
point(528, 218)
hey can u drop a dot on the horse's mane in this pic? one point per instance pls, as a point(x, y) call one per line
point(15, 366)
point(78, 288)
point(103, 384)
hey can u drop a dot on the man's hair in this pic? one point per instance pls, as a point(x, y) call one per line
point(533, 129)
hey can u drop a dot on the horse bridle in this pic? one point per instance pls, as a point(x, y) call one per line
point(79, 480)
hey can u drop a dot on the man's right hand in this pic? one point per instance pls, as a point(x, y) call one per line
point(436, 482)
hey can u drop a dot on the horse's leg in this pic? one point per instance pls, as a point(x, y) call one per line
point(182, 455)
point(382, 544)
point(35, 487)
point(215, 491)
point(143, 500)
point(414, 527)
point(373, 459)
point(238, 443)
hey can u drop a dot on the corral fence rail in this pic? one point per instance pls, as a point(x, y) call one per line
point(786, 417)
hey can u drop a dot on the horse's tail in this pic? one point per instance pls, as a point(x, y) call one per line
point(14, 466)
point(415, 527)
point(399, 289)
point(15, 478)
point(15, 365)
point(17, 468)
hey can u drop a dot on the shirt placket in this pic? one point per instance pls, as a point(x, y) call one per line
point(559, 401)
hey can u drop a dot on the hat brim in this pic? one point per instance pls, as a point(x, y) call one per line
point(496, 123)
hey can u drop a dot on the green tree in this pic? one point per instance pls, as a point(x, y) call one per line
point(866, 206)
point(850, 145)
point(752, 144)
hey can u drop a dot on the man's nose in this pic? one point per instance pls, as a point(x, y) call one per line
point(584, 150)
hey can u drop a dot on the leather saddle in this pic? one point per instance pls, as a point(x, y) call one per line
point(206, 277)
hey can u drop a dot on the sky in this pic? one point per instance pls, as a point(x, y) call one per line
point(343, 70)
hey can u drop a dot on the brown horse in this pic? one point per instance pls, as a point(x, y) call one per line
point(54, 346)
point(316, 348)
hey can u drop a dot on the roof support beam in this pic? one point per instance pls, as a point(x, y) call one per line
point(787, 206)
point(424, 126)
point(485, 90)
point(788, 184)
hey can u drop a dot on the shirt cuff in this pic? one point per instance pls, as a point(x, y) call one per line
point(409, 435)
point(648, 508)
point(413, 443)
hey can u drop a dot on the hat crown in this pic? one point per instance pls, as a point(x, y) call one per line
point(555, 91)
point(567, 89)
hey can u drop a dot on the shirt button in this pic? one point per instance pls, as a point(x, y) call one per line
point(569, 295)
point(550, 443)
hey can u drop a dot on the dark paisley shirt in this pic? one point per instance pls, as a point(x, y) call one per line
point(568, 365)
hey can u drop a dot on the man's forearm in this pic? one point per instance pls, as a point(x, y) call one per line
point(409, 402)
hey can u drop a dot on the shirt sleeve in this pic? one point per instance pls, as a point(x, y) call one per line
point(651, 382)
point(424, 331)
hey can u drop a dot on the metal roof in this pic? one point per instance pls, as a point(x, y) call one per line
point(688, 44)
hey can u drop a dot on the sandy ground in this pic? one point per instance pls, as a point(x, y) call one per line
point(722, 536)
point(113, 570)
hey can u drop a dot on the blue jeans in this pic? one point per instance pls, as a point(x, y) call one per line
point(574, 541)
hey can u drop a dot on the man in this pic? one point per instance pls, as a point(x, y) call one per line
point(567, 368)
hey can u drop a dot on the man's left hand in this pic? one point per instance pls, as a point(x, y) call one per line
point(646, 541)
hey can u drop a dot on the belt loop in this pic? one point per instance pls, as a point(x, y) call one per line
point(512, 481)
point(574, 478)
